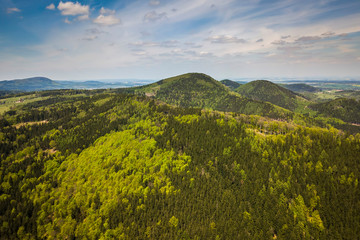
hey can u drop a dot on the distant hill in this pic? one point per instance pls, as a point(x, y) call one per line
point(29, 84)
point(43, 83)
point(231, 84)
point(301, 87)
point(200, 90)
point(345, 109)
point(263, 90)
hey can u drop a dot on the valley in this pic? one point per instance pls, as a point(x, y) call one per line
point(187, 157)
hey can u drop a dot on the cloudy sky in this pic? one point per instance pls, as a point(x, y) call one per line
point(154, 39)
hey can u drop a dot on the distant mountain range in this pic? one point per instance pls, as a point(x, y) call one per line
point(43, 83)
point(260, 97)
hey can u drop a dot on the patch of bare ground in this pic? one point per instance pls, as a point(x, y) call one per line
point(30, 123)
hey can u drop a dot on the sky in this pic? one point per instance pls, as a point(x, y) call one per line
point(155, 39)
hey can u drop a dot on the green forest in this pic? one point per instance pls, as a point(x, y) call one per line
point(123, 164)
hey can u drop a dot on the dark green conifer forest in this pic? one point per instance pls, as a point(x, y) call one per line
point(100, 164)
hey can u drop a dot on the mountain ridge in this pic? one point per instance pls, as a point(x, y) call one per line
point(201, 90)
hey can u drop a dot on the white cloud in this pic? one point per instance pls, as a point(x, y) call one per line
point(153, 16)
point(105, 11)
point(67, 21)
point(107, 20)
point(51, 7)
point(73, 9)
point(12, 10)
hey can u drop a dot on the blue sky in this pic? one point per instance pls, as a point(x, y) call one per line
point(155, 39)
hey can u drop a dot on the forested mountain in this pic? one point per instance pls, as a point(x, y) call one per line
point(263, 90)
point(346, 109)
point(202, 91)
point(103, 165)
point(29, 84)
point(300, 87)
point(231, 84)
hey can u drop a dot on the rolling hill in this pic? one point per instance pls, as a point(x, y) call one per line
point(263, 90)
point(29, 84)
point(202, 91)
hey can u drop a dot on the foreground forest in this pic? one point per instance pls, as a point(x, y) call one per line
point(106, 165)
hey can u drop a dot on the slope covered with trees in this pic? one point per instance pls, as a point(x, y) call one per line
point(346, 109)
point(103, 165)
point(202, 91)
point(230, 84)
point(263, 90)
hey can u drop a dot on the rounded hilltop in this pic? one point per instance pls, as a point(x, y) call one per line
point(264, 90)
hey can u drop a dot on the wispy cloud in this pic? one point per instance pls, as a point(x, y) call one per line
point(279, 42)
point(12, 10)
point(67, 21)
point(90, 38)
point(107, 20)
point(225, 39)
point(306, 39)
point(50, 7)
point(105, 11)
point(164, 44)
point(153, 16)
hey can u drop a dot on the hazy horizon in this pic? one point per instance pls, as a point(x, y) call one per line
point(238, 79)
point(156, 39)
